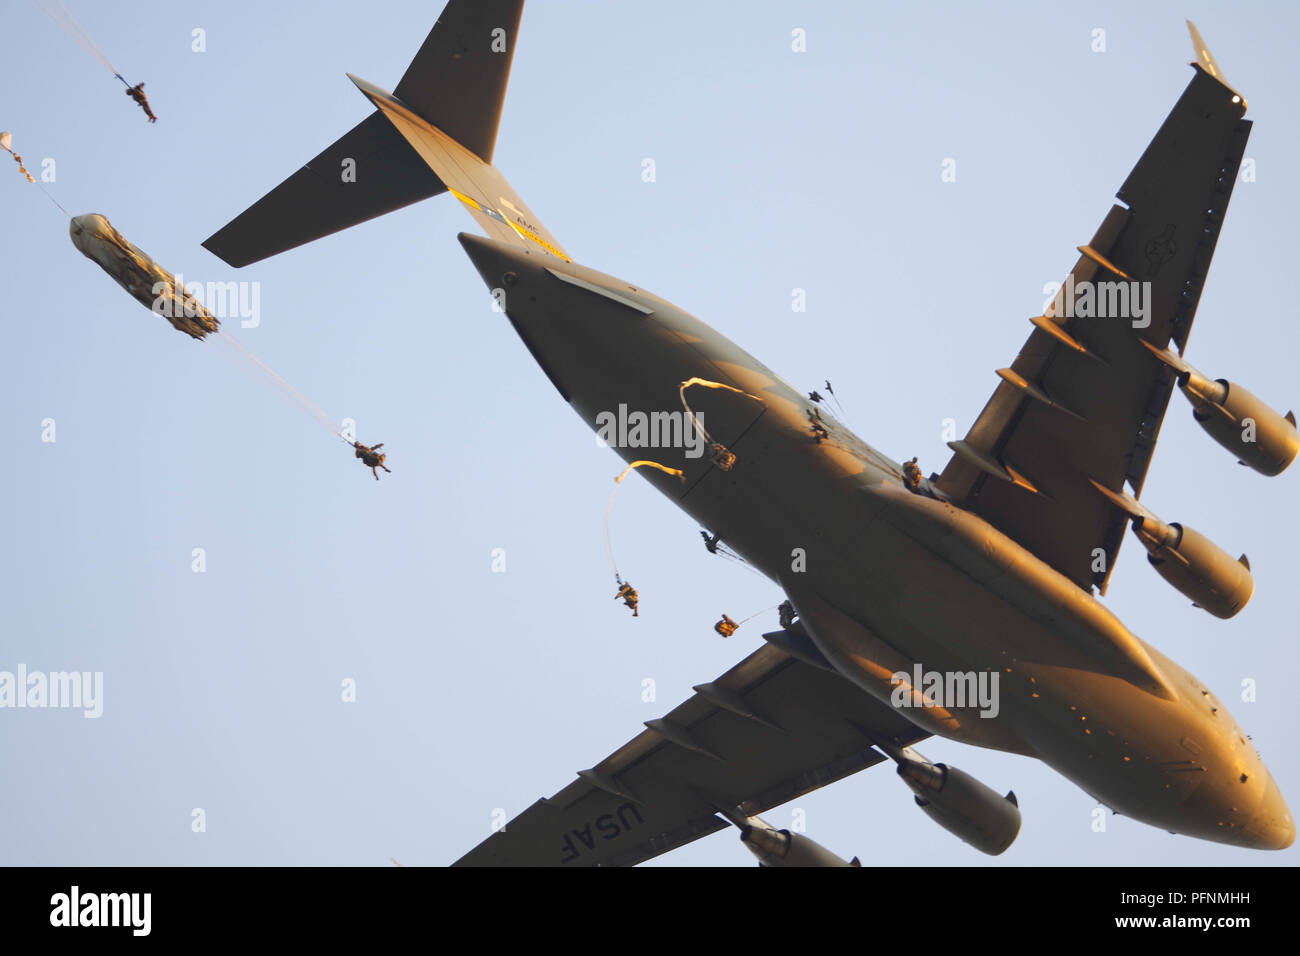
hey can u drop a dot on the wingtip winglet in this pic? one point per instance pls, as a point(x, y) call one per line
point(1203, 54)
point(1205, 60)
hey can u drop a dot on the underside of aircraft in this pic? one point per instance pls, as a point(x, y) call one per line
point(990, 569)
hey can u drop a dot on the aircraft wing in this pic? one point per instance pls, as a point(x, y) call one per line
point(771, 728)
point(1084, 399)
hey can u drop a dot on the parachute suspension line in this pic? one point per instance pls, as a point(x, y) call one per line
point(609, 546)
point(843, 413)
point(63, 18)
point(733, 558)
point(307, 404)
point(52, 199)
point(6, 143)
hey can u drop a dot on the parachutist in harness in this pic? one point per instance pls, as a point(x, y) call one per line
point(786, 614)
point(912, 475)
point(726, 627)
point(137, 93)
point(629, 596)
point(711, 541)
point(371, 457)
point(819, 432)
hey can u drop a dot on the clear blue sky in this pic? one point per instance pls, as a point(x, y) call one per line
point(475, 690)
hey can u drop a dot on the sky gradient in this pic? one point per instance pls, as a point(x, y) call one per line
point(479, 691)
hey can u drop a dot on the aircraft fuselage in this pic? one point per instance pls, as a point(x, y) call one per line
point(885, 579)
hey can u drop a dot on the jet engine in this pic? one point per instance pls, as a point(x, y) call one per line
point(782, 848)
point(1196, 566)
point(1241, 423)
point(961, 804)
point(1188, 560)
point(1236, 419)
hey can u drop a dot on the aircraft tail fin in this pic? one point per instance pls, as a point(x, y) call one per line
point(479, 185)
point(455, 86)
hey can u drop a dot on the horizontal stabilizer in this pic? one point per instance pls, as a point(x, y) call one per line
point(318, 200)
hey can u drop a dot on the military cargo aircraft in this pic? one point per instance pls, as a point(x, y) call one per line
point(909, 591)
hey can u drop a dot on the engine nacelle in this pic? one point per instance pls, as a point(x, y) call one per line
point(962, 805)
point(1196, 566)
point(1241, 423)
point(782, 848)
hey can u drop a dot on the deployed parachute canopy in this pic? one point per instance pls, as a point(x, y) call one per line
point(149, 283)
point(165, 294)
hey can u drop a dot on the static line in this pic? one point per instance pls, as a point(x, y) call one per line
point(681, 392)
point(644, 463)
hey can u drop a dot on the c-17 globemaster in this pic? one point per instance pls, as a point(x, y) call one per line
point(991, 568)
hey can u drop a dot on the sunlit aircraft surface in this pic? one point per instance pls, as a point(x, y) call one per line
point(911, 596)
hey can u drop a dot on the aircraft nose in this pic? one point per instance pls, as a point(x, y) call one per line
point(1271, 827)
